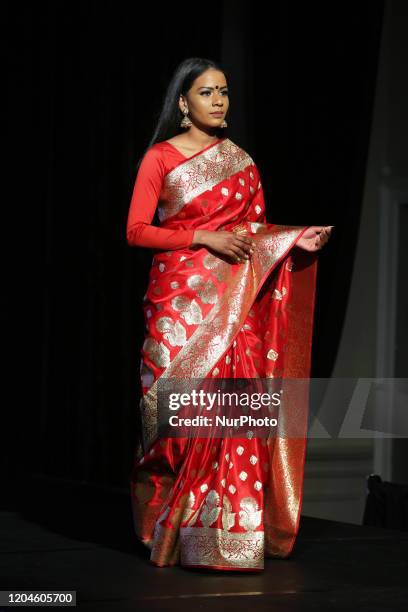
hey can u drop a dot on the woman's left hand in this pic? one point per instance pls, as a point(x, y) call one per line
point(315, 237)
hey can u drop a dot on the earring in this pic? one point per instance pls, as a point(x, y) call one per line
point(186, 122)
point(224, 124)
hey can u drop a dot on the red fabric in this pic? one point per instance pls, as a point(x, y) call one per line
point(156, 163)
point(223, 503)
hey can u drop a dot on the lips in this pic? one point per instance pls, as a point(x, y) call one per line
point(217, 113)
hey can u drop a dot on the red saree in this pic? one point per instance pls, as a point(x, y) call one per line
point(222, 503)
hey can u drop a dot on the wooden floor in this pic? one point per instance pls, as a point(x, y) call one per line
point(57, 536)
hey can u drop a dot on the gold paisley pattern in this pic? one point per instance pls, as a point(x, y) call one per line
point(173, 331)
point(210, 509)
point(189, 310)
point(278, 295)
point(228, 517)
point(217, 267)
point(250, 517)
point(157, 352)
point(178, 513)
point(272, 354)
point(206, 290)
point(190, 515)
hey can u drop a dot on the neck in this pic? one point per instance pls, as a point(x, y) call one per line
point(201, 137)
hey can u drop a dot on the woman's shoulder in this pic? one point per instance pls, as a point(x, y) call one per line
point(160, 157)
point(157, 146)
point(161, 146)
point(154, 150)
point(162, 152)
point(158, 154)
point(153, 162)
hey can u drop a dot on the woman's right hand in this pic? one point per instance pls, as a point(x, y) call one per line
point(235, 246)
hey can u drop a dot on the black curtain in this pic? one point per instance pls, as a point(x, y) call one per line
point(85, 85)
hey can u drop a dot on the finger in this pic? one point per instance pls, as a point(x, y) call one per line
point(241, 252)
point(246, 241)
point(244, 247)
point(244, 238)
point(235, 255)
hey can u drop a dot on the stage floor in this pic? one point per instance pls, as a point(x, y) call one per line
point(76, 539)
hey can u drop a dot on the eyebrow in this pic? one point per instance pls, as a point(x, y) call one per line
point(208, 87)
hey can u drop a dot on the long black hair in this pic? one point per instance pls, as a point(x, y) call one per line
point(170, 115)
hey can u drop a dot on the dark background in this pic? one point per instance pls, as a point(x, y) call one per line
point(85, 82)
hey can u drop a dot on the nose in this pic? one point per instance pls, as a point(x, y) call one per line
point(217, 98)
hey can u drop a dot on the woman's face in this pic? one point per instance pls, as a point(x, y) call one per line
point(208, 94)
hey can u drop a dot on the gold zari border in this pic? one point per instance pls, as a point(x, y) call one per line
point(200, 174)
point(213, 546)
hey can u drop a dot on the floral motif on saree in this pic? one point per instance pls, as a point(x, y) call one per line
point(223, 503)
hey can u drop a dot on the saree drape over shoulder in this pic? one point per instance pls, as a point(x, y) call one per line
point(222, 503)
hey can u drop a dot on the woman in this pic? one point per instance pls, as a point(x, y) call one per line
point(229, 296)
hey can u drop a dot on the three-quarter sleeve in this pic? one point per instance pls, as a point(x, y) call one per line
point(145, 197)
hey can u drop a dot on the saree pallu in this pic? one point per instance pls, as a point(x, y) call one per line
point(222, 503)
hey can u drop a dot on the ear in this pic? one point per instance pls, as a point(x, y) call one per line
point(182, 104)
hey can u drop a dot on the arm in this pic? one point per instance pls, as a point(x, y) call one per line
point(146, 192)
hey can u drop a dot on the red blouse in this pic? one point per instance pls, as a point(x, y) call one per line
point(158, 160)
